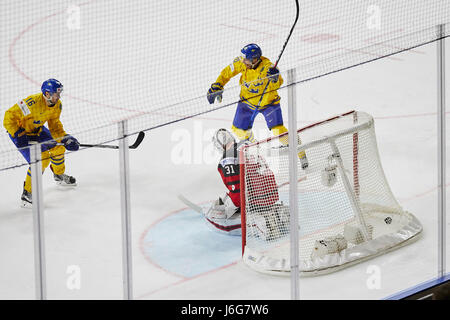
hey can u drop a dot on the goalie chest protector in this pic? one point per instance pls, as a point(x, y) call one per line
point(229, 171)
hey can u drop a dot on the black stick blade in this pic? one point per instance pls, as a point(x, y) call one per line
point(138, 141)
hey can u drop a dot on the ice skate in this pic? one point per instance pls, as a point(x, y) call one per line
point(65, 180)
point(303, 159)
point(26, 199)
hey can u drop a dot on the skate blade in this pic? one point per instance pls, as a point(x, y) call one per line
point(65, 185)
point(26, 205)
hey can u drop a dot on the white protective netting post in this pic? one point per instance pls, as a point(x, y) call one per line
point(347, 212)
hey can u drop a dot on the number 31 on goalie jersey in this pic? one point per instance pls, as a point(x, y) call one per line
point(229, 170)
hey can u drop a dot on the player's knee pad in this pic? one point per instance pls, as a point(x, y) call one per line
point(243, 134)
point(57, 151)
point(45, 160)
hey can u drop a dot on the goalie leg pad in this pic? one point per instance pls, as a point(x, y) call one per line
point(223, 208)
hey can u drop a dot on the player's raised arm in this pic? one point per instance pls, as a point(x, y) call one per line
point(275, 78)
point(216, 89)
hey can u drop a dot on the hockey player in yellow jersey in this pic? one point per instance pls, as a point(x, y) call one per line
point(257, 72)
point(24, 123)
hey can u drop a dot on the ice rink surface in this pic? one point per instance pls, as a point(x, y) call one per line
point(83, 225)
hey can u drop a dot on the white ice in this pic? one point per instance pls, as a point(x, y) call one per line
point(112, 60)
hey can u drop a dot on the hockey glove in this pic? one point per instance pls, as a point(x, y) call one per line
point(70, 143)
point(215, 92)
point(21, 138)
point(273, 74)
point(48, 144)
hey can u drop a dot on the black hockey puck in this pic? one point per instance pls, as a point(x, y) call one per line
point(388, 220)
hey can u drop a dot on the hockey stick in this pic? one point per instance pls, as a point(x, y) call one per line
point(138, 141)
point(191, 205)
point(278, 59)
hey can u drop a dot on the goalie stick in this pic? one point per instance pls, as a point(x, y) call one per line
point(136, 143)
point(227, 226)
point(191, 205)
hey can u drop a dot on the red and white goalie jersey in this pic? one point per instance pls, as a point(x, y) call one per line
point(224, 214)
point(229, 171)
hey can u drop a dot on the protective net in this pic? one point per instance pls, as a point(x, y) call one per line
point(151, 62)
point(347, 211)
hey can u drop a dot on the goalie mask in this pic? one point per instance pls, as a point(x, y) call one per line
point(221, 139)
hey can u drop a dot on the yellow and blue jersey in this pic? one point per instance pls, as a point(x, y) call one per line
point(253, 82)
point(31, 114)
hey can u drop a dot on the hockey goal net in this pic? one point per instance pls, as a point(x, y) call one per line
point(347, 212)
